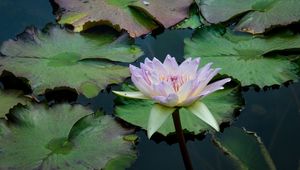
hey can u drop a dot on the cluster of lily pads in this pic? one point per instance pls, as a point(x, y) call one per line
point(250, 40)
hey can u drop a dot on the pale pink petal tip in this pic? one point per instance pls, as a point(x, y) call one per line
point(132, 68)
point(156, 60)
point(197, 61)
point(148, 61)
point(227, 80)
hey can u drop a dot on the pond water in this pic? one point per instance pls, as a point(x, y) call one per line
point(273, 114)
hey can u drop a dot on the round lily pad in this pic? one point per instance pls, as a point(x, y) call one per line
point(222, 105)
point(58, 58)
point(259, 15)
point(135, 16)
point(250, 59)
point(62, 137)
point(9, 99)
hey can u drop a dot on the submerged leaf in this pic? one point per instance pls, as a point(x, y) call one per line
point(58, 58)
point(222, 105)
point(134, 16)
point(260, 14)
point(243, 56)
point(245, 148)
point(62, 137)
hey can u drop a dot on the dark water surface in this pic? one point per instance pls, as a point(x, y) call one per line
point(273, 114)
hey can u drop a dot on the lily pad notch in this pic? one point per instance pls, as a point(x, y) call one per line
point(63, 137)
point(87, 62)
point(252, 60)
point(135, 16)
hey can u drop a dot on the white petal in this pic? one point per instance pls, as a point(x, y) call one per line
point(140, 83)
point(131, 94)
point(170, 64)
point(163, 89)
point(189, 67)
point(158, 66)
point(171, 100)
point(203, 72)
point(218, 85)
point(185, 91)
point(158, 115)
point(202, 82)
point(148, 62)
point(201, 111)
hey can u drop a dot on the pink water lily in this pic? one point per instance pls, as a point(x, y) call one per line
point(171, 85)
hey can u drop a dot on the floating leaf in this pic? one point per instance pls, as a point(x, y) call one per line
point(222, 104)
point(243, 56)
point(260, 14)
point(135, 16)
point(245, 148)
point(194, 20)
point(10, 99)
point(57, 58)
point(36, 137)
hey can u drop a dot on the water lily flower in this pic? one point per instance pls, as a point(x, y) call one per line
point(172, 86)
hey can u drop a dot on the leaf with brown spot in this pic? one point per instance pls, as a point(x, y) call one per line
point(135, 16)
point(258, 15)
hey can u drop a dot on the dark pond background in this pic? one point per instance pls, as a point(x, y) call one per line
point(274, 114)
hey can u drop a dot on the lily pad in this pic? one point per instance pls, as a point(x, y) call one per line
point(135, 16)
point(245, 57)
point(222, 104)
point(58, 58)
point(245, 148)
point(9, 99)
point(36, 137)
point(260, 15)
point(194, 21)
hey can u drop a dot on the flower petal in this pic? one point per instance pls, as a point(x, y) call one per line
point(202, 81)
point(204, 71)
point(140, 83)
point(189, 67)
point(148, 62)
point(185, 90)
point(170, 64)
point(134, 70)
point(131, 94)
point(163, 89)
point(170, 100)
point(158, 115)
point(218, 85)
point(158, 66)
point(201, 111)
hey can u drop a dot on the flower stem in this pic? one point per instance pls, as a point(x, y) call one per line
point(181, 140)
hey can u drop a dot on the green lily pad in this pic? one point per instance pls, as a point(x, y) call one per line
point(222, 104)
point(9, 99)
point(245, 149)
point(62, 137)
point(58, 58)
point(194, 21)
point(135, 16)
point(259, 14)
point(244, 56)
